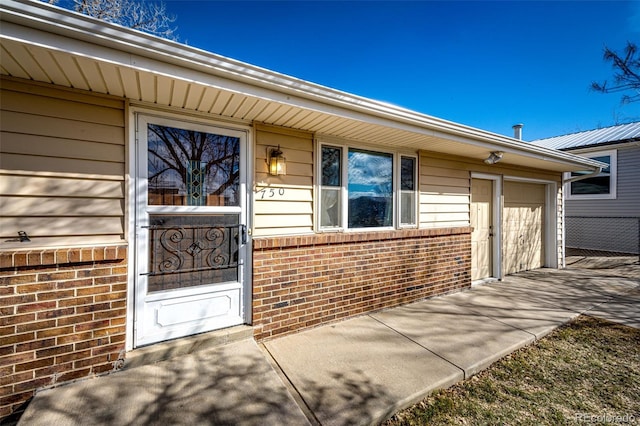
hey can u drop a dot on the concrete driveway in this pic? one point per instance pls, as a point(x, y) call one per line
point(358, 371)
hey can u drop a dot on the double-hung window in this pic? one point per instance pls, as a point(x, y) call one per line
point(601, 186)
point(408, 190)
point(331, 187)
point(363, 188)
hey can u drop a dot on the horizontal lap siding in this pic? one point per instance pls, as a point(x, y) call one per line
point(62, 165)
point(283, 204)
point(445, 191)
point(560, 243)
point(627, 202)
point(609, 225)
point(628, 190)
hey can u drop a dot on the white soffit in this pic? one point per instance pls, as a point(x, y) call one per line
point(47, 44)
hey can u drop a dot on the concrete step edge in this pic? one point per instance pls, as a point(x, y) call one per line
point(179, 347)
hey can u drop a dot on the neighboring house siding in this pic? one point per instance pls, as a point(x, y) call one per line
point(627, 202)
point(283, 204)
point(609, 225)
point(62, 161)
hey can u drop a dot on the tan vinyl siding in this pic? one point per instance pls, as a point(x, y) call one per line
point(445, 186)
point(62, 166)
point(560, 227)
point(283, 204)
point(445, 191)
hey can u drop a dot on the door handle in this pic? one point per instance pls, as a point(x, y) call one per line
point(243, 234)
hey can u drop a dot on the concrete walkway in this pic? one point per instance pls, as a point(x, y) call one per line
point(358, 371)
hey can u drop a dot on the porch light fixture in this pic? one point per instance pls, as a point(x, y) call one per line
point(495, 157)
point(276, 161)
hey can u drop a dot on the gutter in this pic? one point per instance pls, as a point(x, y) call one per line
point(577, 178)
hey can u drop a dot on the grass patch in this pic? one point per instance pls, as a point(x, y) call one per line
point(589, 367)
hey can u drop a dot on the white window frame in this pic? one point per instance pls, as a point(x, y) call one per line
point(341, 190)
point(344, 192)
point(398, 189)
point(613, 177)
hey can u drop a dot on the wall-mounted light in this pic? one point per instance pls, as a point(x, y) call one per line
point(276, 161)
point(494, 157)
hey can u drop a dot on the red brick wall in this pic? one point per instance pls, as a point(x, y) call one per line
point(62, 317)
point(304, 281)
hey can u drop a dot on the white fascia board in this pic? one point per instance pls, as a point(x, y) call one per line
point(82, 35)
point(603, 147)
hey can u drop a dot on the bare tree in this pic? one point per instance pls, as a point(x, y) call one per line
point(626, 77)
point(150, 17)
point(200, 164)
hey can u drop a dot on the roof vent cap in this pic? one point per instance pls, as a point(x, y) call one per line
point(517, 131)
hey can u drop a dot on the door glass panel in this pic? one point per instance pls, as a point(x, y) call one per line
point(192, 250)
point(192, 168)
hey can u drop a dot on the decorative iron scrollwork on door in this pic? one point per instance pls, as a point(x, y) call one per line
point(186, 255)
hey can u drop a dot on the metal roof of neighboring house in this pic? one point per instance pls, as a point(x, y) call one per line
point(48, 44)
point(607, 135)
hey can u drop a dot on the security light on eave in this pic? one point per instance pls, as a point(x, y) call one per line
point(494, 157)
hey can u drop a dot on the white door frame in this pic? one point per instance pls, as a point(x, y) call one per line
point(550, 218)
point(132, 200)
point(496, 221)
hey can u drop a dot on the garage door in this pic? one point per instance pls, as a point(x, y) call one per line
point(523, 226)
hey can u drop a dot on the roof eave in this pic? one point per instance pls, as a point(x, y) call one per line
point(54, 20)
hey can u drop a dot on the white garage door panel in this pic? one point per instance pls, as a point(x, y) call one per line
point(523, 226)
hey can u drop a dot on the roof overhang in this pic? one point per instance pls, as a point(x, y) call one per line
point(606, 145)
point(49, 44)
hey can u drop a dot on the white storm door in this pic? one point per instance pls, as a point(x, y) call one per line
point(190, 228)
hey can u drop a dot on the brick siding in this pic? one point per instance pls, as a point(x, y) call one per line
point(62, 317)
point(304, 281)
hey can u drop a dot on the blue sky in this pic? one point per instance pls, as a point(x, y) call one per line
point(485, 64)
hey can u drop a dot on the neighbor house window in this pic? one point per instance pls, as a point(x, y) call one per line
point(361, 188)
point(601, 186)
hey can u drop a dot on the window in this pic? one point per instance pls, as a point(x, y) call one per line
point(361, 188)
point(407, 191)
point(331, 187)
point(601, 186)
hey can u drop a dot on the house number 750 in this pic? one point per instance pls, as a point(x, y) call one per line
point(270, 192)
